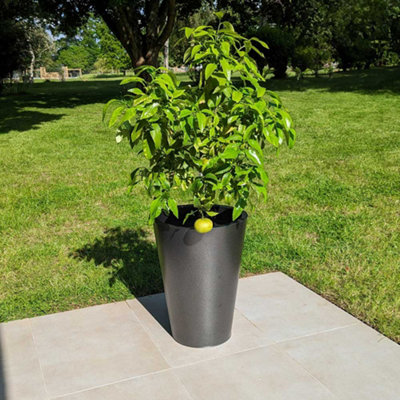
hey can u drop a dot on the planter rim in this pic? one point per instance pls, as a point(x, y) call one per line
point(161, 219)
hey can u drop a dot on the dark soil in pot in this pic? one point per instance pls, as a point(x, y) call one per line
point(223, 218)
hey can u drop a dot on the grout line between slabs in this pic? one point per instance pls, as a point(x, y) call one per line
point(307, 371)
point(337, 328)
point(131, 378)
point(183, 384)
point(147, 331)
point(223, 356)
point(136, 319)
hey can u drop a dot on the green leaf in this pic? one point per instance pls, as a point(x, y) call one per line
point(292, 137)
point(263, 175)
point(226, 68)
point(260, 41)
point(132, 79)
point(136, 91)
point(226, 178)
point(238, 209)
point(156, 135)
point(219, 14)
point(147, 149)
point(135, 134)
point(187, 54)
point(130, 113)
point(184, 113)
point(221, 81)
point(256, 146)
point(169, 115)
point(226, 48)
point(250, 64)
point(228, 26)
point(232, 119)
point(237, 96)
point(287, 120)
point(188, 32)
point(177, 93)
point(231, 151)
point(209, 70)
point(248, 131)
point(166, 78)
point(150, 111)
point(173, 206)
point(155, 208)
point(195, 50)
point(114, 116)
point(201, 120)
point(262, 190)
point(257, 51)
point(260, 91)
point(105, 108)
point(211, 177)
point(253, 156)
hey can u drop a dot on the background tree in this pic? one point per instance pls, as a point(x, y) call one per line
point(281, 45)
point(112, 54)
point(14, 52)
point(40, 45)
point(80, 47)
point(242, 14)
point(23, 41)
point(195, 17)
point(142, 26)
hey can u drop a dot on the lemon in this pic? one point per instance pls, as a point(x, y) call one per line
point(203, 225)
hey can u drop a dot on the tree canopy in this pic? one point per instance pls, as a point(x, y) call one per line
point(141, 26)
point(117, 34)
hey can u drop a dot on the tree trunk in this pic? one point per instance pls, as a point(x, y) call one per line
point(166, 54)
point(142, 32)
point(32, 64)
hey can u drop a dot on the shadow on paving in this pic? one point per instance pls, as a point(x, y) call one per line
point(51, 95)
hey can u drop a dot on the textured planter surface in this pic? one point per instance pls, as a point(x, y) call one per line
point(200, 274)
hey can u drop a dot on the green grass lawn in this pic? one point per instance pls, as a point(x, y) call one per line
point(71, 235)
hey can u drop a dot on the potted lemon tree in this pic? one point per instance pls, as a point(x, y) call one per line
point(204, 142)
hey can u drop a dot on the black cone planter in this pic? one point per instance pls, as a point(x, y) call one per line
point(200, 274)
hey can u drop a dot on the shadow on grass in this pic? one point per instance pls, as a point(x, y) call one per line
point(26, 120)
point(129, 256)
point(373, 81)
point(50, 95)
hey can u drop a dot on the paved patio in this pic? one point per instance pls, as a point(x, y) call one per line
point(288, 344)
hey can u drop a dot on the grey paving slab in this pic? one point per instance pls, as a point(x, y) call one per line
point(354, 362)
point(158, 386)
point(152, 313)
point(20, 374)
point(287, 343)
point(257, 374)
point(93, 346)
point(283, 309)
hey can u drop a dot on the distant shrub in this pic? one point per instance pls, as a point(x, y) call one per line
point(358, 53)
point(281, 45)
point(309, 57)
